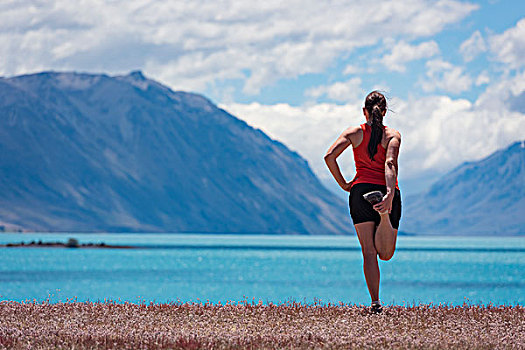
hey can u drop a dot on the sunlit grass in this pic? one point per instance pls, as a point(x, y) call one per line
point(117, 325)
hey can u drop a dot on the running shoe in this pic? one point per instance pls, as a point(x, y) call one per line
point(376, 307)
point(373, 197)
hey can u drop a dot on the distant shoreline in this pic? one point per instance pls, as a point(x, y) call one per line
point(399, 234)
point(72, 245)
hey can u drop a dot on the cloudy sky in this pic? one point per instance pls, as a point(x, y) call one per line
point(454, 71)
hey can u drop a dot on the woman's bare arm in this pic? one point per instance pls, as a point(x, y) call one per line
point(342, 143)
point(391, 171)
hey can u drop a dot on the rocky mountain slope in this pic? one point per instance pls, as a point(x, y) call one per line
point(83, 152)
point(484, 197)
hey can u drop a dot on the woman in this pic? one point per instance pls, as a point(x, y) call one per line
point(375, 214)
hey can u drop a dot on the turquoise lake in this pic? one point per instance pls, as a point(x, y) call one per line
point(171, 267)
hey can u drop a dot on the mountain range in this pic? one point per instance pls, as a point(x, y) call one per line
point(92, 152)
point(485, 197)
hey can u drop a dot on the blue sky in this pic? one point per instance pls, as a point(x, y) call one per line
point(299, 70)
point(489, 17)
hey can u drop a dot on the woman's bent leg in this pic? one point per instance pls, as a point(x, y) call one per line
point(365, 233)
point(385, 238)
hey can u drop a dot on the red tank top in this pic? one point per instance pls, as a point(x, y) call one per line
point(368, 170)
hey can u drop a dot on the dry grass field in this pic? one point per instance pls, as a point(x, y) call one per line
point(244, 325)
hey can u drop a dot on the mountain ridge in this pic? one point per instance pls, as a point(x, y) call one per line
point(485, 197)
point(129, 154)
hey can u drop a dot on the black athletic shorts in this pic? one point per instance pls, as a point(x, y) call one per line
point(362, 211)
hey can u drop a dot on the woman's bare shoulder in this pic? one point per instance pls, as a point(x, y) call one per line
point(354, 134)
point(352, 131)
point(390, 132)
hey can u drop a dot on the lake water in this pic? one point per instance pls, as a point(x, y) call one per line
point(170, 267)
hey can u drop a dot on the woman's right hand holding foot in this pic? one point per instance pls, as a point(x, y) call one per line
point(386, 204)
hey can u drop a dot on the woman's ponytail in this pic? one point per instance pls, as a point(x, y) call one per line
point(375, 104)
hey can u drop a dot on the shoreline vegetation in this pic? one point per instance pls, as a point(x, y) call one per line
point(176, 325)
point(71, 243)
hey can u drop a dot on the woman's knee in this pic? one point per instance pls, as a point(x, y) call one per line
point(369, 253)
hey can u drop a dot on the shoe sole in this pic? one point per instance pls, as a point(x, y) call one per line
point(373, 197)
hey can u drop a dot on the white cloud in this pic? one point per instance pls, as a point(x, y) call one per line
point(473, 46)
point(193, 43)
point(509, 47)
point(438, 132)
point(496, 95)
point(403, 53)
point(345, 91)
point(483, 78)
point(445, 76)
point(352, 69)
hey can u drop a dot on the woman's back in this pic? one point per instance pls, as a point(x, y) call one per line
point(370, 170)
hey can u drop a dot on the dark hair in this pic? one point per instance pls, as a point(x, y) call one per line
point(375, 104)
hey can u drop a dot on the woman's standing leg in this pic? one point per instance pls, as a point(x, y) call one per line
point(365, 234)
